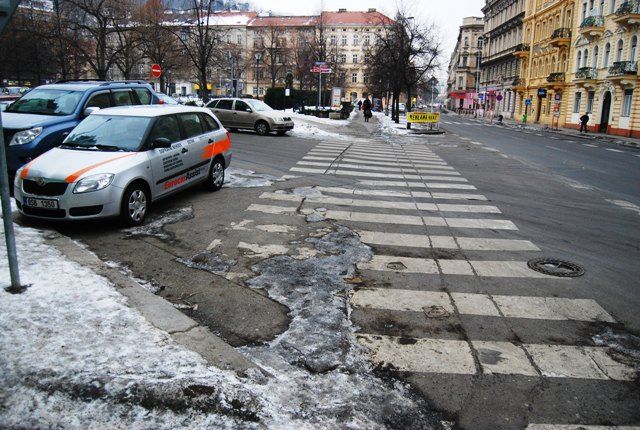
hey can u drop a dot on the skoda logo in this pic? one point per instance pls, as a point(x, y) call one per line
point(41, 182)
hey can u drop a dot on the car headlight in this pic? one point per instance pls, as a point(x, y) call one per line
point(25, 136)
point(93, 183)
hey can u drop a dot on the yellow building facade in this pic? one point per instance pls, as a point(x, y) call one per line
point(545, 57)
point(604, 67)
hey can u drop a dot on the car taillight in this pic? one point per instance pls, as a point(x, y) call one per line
point(160, 101)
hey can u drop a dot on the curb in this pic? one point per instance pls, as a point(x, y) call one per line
point(159, 312)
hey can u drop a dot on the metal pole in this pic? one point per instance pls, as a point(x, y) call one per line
point(7, 218)
point(319, 90)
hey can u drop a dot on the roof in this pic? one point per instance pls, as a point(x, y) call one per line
point(149, 110)
point(232, 18)
point(283, 21)
point(356, 18)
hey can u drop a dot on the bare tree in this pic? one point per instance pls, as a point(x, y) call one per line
point(158, 44)
point(97, 22)
point(274, 52)
point(200, 39)
point(302, 59)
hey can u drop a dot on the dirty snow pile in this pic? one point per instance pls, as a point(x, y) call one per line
point(243, 178)
point(307, 130)
point(388, 126)
point(73, 353)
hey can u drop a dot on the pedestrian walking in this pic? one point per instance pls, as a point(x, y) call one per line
point(584, 119)
point(359, 104)
point(366, 107)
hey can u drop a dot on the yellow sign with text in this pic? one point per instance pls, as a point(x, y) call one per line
point(423, 117)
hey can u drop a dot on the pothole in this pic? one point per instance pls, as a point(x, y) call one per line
point(556, 267)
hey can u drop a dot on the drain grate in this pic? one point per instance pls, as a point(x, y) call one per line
point(556, 267)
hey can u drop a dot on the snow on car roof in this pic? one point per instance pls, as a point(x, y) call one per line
point(149, 110)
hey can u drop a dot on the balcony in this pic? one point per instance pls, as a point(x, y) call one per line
point(518, 84)
point(625, 72)
point(628, 14)
point(556, 80)
point(522, 50)
point(592, 26)
point(586, 77)
point(561, 37)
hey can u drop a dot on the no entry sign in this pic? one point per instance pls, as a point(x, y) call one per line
point(156, 71)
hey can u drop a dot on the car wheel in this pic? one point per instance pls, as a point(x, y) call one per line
point(262, 128)
point(215, 179)
point(282, 133)
point(135, 203)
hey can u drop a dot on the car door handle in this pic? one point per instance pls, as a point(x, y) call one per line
point(184, 150)
point(211, 141)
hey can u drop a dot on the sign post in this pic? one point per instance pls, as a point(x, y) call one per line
point(7, 8)
point(320, 68)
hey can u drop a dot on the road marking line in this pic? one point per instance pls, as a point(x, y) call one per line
point(375, 218)
point(368, 156)
point(359, 160)
point(269, 209)
point(479, 223)
point(445, 242)
point(589, 145)
point(498, 269)
point(503, 358)
point(626, 205)
point(425, 355)
point(342, 172)
point(401, 194)
point(376, 168)
point(418, 185)
point(578, 362)
point(612, 150)
point(476, 143)
point(552, 308)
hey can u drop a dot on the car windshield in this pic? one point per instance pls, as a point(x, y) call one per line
point(109, 133)
point(259, 106)
point(47, 102)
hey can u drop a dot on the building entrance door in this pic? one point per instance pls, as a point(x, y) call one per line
point(606, 109)
point(539, 107)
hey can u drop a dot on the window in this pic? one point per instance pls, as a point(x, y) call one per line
point(612, 9)
point(596, 51)
point(626, 103)
point(576, 103)
point(619, 51)
point(343, 58)
point(365, 78)
point(355, 58)
point(579, 60)
point(367, 39)
point(191, 124)
point(167, 127)
point(354, 78)
point(100, 100)
point(466, 42)
point(356, 40)
point(242, 106)
point(633, 49)
point(333, 39)
point(607, 52)
point(585, 62)
point(480, 40)
point(228, 38)
point(590, 97)
point(122, 98)
point(209, 123)
point(239, 39)
point(212, 104)
point(344, 40)
point(143, 95)
point(226, 104)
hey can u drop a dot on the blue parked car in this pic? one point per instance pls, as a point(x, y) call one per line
point(41, 119)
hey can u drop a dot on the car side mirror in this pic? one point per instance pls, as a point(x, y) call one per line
point(161, 142)
point(248, 110)
point(91, 109)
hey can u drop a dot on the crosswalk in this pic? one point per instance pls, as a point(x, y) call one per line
point(426, 222)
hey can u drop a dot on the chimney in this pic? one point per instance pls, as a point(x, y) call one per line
point(371, 10)
point(342, 10)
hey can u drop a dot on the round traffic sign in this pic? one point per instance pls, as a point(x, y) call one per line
point(156, 71)
point(499, 97)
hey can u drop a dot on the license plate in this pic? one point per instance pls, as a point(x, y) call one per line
point(40, 203)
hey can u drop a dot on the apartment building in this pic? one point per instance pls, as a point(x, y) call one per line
point(604, 67)
point(545, 55)
point(503, 33)
point(464, 66)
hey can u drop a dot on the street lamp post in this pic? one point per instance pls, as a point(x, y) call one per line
point(258, 57)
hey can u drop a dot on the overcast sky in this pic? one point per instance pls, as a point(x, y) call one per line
point(447, 14)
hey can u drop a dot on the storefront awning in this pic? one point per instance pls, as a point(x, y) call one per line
point(458, 94)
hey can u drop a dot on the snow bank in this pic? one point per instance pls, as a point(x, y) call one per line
point(388, 126)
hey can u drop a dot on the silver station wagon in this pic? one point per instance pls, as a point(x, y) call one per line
point(119, 160)
point(250, 114)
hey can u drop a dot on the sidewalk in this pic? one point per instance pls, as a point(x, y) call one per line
point(618, 140)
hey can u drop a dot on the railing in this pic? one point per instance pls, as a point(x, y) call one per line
point(522, 47)
point(517, 82)
point(593, 21)
point(629, 8)
point(556, 77)
point(587, 73)
point(561, 33)
point(621, 68)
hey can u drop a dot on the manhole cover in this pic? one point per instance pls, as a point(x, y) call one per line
point(396, 265)
point(556, 267)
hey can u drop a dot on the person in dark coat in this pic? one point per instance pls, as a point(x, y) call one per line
point(584, 119)
point(359, 104)
point(366, 107)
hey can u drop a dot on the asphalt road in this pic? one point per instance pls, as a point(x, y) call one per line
point(441, 298)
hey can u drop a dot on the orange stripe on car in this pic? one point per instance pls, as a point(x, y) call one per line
point(75, 175)
point(216, 148)
point(25, 169)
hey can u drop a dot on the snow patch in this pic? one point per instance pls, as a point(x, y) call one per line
point(209, 261)
point(242, 178)
point(156, 227)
